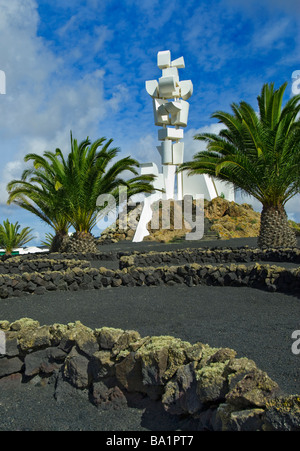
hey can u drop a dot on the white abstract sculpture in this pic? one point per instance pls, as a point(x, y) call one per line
point(171, 110)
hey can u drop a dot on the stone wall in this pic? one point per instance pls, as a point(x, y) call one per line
point(202, 255)
point(80, 275)
point(20, 266)
point(210, 387)
point(88, 256)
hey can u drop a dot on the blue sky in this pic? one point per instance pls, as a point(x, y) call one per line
point(82, 65)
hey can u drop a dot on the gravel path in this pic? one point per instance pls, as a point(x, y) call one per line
point(257, 324)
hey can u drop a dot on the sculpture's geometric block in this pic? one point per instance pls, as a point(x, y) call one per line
point(178, 149)
point(186, 89)
point(164, 59)
point(181, 118)
point(170, 133)
point(176, 93)
point(167, 86)
point(179, 63)
point(166, 152)
point(171, 72)
point(161, 116)
point(162, 109)
point(149, 168)
point(152, 88)
point(173, 107)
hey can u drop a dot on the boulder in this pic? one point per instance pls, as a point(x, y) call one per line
point(229, 419)
point(212, 383)
point(108, 398)
point(282, 414)
point(10, 366)
point(107, 337)
point(43, 361)
point(153, 363)
point(180, 395)
point(76, 370)
point(27, 335)
point(83, 337)
point(102, 365)
point(253, 390)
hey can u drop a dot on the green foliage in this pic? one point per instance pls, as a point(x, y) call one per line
point(63, 191)
point(48, 240)
point(12, 237)
point(258, 153)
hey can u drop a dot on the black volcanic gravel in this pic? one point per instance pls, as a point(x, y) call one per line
point(257, 324)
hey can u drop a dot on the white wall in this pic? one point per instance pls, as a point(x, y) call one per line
point(209, 187)
point(193, 184)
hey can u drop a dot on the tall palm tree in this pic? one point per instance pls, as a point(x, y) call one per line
point(66, 189)
point(260, 155)
point(12, 237)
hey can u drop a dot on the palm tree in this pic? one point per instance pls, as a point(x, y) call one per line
point(48, 240)
point(11, 237)
point(37, 193)
point(260, 155)
point(96, 173)
point(66, 189)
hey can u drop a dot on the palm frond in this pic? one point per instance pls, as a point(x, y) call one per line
point(63, 191)
point(257, 153)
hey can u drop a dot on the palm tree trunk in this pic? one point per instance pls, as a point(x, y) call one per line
point(274, 228)
point(59, 242)
point(81, 242)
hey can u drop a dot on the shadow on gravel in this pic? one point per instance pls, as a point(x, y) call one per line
point(155, 418)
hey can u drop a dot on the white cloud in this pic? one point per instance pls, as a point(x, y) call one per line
point(146, 149)
point(287, 6)
point(93, 40)
point(292, 207)
point(243, 198)
point(192, 146)
point(42, 102)
point(271, 35)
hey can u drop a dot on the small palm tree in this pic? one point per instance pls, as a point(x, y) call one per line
point(48, 240)
point(11, 237)
point(260, 155)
